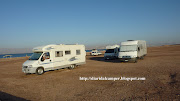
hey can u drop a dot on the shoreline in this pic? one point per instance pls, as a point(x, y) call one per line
point(87, 53)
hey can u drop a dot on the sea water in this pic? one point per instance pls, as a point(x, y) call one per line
point(29, 54)
point(17, 55)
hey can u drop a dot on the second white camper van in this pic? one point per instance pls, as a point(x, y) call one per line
point(132, 50)
point(52, 57)
point(111, 52)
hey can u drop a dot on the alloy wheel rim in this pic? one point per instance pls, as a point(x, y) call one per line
point(40, 71)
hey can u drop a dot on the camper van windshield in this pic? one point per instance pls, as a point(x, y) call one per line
point(127, 48)
point(109, 51)
point(35, 56)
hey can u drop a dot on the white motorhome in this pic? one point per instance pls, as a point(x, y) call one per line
point(132, 50)
point(111, 52)
point(53, 57)
point(95, 52)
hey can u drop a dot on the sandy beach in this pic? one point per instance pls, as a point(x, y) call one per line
point(161, 68)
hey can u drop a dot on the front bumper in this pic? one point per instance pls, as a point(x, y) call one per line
point(28, 70)
point(109, 57)
point(127, 59)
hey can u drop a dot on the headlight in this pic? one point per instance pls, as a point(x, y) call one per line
point(30, 66)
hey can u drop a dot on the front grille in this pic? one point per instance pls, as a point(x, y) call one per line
point(126, 57)
point(25, 66)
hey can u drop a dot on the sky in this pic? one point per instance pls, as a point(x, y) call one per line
point(94, 23)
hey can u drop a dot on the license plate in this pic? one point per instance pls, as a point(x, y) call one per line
point(125, 60)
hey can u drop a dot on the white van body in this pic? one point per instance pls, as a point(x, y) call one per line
point(52, 57)
point(132, 50)
point(111, 52)
point(95, 52)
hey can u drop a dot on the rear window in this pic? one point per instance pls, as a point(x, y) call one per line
point(78, 52)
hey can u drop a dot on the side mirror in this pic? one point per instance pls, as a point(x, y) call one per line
point(138, 49)
point(42, 59)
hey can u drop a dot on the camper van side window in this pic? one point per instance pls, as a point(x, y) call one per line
point(67, 52)
point(47, 55)
point(59, 53)
point(78, 52)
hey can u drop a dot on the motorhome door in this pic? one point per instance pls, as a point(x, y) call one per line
point(59, 60)
point(46, 61)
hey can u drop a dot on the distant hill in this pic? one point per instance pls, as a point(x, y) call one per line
point(29, 50)
point(15, 50)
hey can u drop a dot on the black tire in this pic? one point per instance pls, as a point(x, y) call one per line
point(72, 67)
point(39, 71)
point(135, 60)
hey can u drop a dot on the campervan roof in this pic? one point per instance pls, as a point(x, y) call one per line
point(112, 47)
point(43, 48)
point(135, 42)
point(49, 47)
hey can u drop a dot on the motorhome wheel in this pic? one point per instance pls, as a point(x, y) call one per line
point(142, 57)
point(72, 67)
point(39, 71)
point(135, 60)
